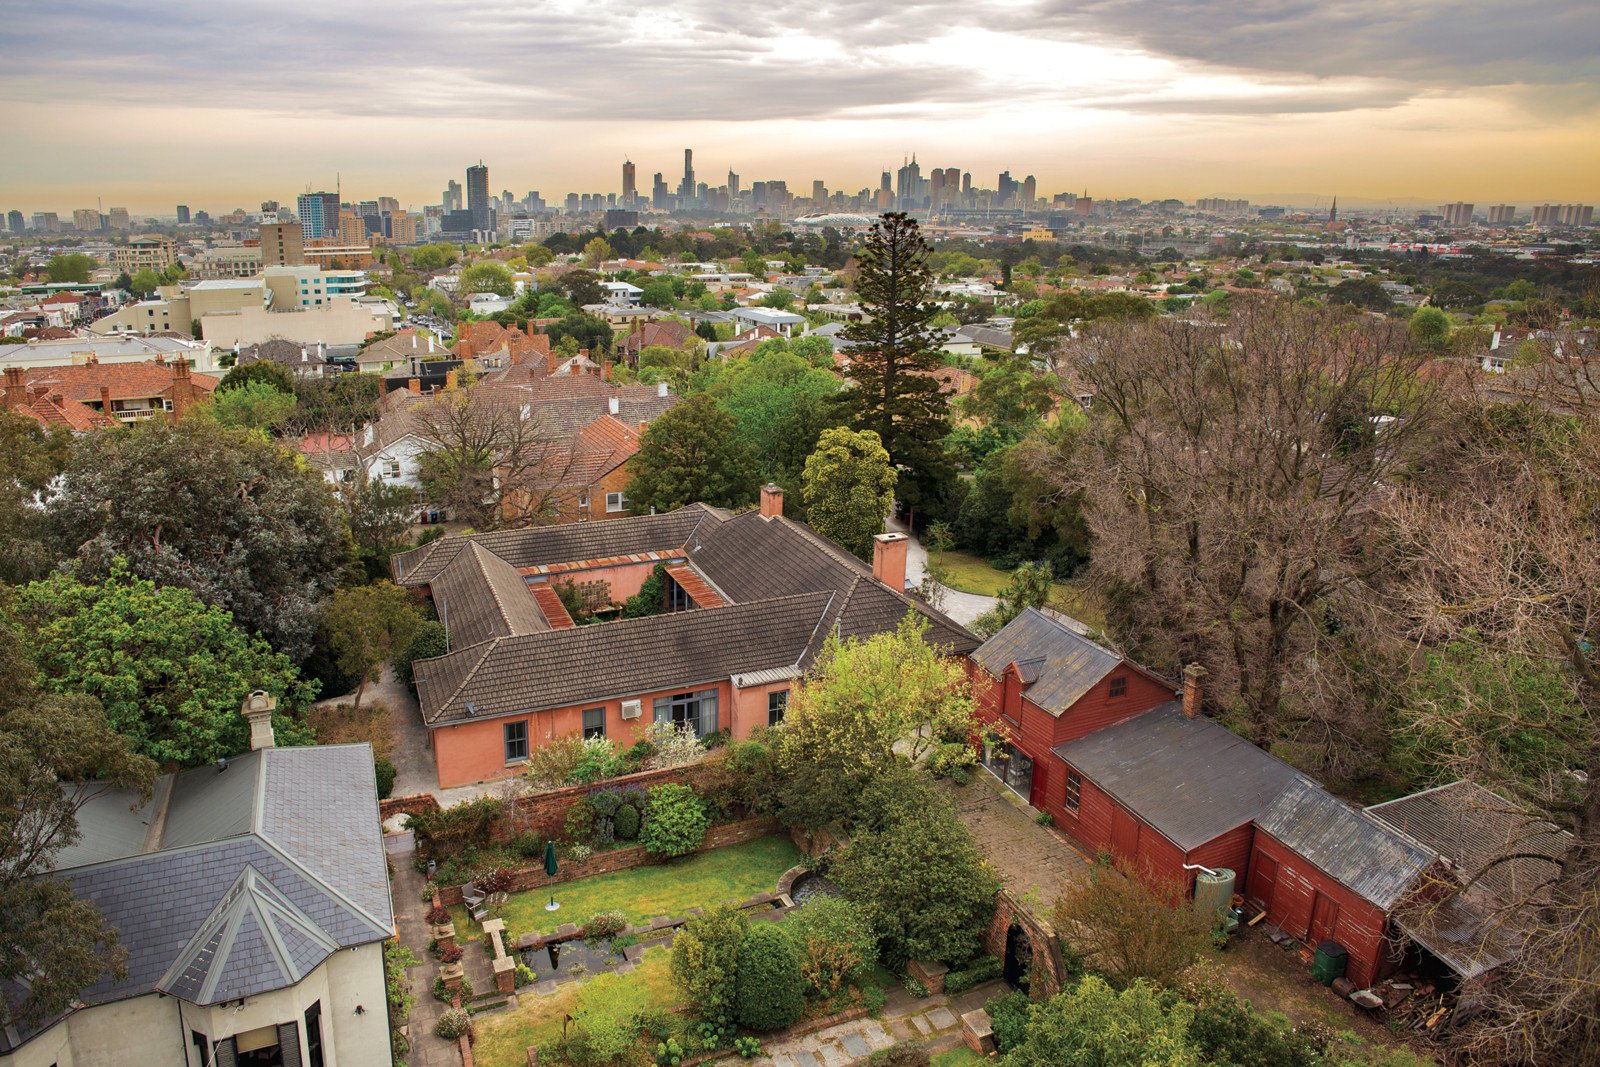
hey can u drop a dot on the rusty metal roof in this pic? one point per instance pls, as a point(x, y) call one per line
point(1350, 846)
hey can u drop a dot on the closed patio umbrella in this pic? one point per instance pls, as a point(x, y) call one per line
point(550, 869)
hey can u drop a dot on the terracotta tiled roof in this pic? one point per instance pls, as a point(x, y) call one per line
point(699, 590)
point(552, 607)
point(127, 381)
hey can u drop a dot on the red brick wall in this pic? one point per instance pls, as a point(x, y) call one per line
point(545, 814)
point(416, 804)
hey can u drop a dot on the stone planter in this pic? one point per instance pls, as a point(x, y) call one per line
point(443, 932)
point(452, 974)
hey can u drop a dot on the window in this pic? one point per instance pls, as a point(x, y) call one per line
point(777, 704)
point(516, 741)
point(594, 723)
point(391, 468)
point(1074, 791)
point(314, 1035)
point(677, 598)
point(1119, 687)
point(616, 502)
point(696, 710)
point(1008, 763)
point(583, 500)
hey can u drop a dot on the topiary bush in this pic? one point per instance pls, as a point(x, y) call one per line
point(453, 1023)
point(771, 990)
point(625, 823)
point(675, 823)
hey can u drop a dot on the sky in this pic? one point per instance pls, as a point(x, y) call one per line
point(223, 105)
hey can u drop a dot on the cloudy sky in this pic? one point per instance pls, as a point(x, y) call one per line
point(223, 104)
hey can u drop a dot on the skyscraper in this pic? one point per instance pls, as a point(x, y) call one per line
point(819, 192)
point(686, 187)
point(319, 215)
point(1030, 191)
point(630, 183)
point(733, 185)
point(183, 214)
point(452, 196)
point(658, 191)
point(15, 222)
point(478, 197)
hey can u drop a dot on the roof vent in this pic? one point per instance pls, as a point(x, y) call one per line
point(470, 709)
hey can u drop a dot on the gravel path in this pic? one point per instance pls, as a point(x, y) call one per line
point(962, 607)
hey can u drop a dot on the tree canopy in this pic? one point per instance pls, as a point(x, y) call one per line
point(691, 453)
point(849, 488)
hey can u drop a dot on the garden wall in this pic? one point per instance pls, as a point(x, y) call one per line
point(1049, 969)
point(545, 813)
point(532, 876)
point(415, 804)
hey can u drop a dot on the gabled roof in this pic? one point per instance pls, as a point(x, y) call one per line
point(1353, 848)
point(1191, 779)
point(480, 596)
point(1059, 664)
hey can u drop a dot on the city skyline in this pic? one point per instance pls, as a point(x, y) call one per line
point(1436, 102)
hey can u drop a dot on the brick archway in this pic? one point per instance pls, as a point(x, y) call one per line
point(1049, 969)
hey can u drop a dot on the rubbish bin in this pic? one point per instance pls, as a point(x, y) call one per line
point(1329, 962)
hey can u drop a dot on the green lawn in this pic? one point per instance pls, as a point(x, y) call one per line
point(973, 574)
point(504, 1038)
point(641, 893)
point(960, 1056)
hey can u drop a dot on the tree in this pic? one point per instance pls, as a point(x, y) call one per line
point(72, 267)
point(782, 299)
point(428, 640)
point(582, 287)
point(1011, 396)
point(861, 700)
point(1364, 293)
point(1093, 1024)
point(1224, 477)
point(367, 625)
point(1029, 587)
point(338, 405)
point(52, 944)
point(849, 488)
point(896, 394)
point(771, 991)
point(143, 282)
point(597, 251)
point(258, 372)
point(781, 403)
point(585, 331)
point(705, 960)
point(490, 459)
point(30, 459)
point(922, 884)
point(1130, 927)
point(691, 453)
point(434, 257)
point(257, 406)
point(379, 515)
point(675, 821)
point(836, 943)
point(245, 525)
point(489, 276)
point(1429, 327)
point(169, 671)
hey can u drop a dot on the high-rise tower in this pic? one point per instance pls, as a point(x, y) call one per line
point(630, 183)
point(686, 187)
point(478, 197)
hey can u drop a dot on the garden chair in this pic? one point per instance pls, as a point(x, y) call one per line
point(476, 901)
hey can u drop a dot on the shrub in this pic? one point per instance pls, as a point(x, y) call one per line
point(580, 821)
point(598, 1040)
point(1227, 1030)
point(1093, 1023)
point(901, 1054)
point(672, 745)
point(983, 969)
point(428, 890)
point(669, 1053)
point(453, 1023)
point(1126, 927)
point(450, 953)
point(493, 879)
point(451, 831)
point(605, 802)
point(428, 640)
point(604, 924)
point(625, 824)
point(747, 1047)
point(873, 997)
point(443, 994)
point(675, 823)
point(597, 761)
point(771, 990)
point(836, 943)
point(705, 959)
point(438, 916)
point(550, 765)
point(1044, 818)
point(385, 772)
point(527, 845)
point(1009, 1014)
point(525, 975)
point(579, 853)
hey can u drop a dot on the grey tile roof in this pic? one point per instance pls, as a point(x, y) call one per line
point(560, 668)
point(1191, 779)
point(479, 596)
point(255, 876)
point(1060, 664)
point(1355, 849)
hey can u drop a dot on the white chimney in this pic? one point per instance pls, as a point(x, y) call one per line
point(615, 405)
point(430, 344)
point(661, 389)
point(413, 342)
point(257, 711)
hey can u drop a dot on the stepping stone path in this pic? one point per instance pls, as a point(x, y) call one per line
point(852, 1042)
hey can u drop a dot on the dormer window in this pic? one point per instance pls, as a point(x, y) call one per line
point(1118, 687)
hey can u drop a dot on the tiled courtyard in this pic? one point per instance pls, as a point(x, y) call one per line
point(1033, 861)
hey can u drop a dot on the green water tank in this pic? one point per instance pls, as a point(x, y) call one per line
point(1213, 893)
point(1329, 962)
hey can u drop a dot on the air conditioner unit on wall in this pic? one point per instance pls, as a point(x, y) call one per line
point(632, 709)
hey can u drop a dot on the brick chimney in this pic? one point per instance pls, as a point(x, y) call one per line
point(552, 361)
point(771, 500)
point(1193, 694)
point(182, 388)
point(414, 385)
point(889, 560)
point(449, 379)
point(464, 349)
point(257, 711)
point(16, 389)
point(105, 399)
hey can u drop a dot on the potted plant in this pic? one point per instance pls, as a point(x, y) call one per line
point(450, 966)
point(439, 924)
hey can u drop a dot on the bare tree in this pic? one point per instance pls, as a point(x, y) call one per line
point(1226, 477)
point(491, 459)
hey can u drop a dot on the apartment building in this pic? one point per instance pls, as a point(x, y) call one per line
point(152, 252)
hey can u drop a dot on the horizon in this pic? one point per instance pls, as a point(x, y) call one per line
point(1437, 103)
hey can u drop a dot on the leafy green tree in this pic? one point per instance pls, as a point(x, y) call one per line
point(489, 276)
point(782, 299)
point(771, 990)
point(691, 453)
point(30, 459)
point(257, 406)
point(1362, 293)
point(428, 640)
point(849, 488)
point(836, 943)
point(1429, 327)
point(1457, 296)
point(1011, 396)
point(1029, 587)
point(585, 331)
point(379, 515)
point(52, 944)
point(259, 372)
point(70, 267)
point(537, 255)
point(434, 257)
point(242, 523)
point(781, 403)
point(705, 960)
point(367, 625)
point(169, 671)
point(657, 293)
point(581, 287)
point(1093, 1024)
point(896, 394)
point(144, 282)
point(335, 405)
point(597, 251)
point(675, 821)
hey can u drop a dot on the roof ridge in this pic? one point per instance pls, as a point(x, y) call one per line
point(311, 876)
point(488, 648)
point(477, 558)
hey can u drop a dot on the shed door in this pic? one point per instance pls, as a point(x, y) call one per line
point(1124, 835)
point(1263, 879)
point(1324, 918)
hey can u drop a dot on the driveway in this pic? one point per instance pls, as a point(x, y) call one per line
point(962, 607)
point(1034, 862)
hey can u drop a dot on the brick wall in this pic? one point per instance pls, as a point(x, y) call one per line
point(1049, 968)
point(545, 814)
point(416, 804)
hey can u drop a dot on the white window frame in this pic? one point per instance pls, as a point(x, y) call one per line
point(621, 503)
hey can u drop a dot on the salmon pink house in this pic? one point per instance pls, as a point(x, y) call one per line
point(749, 600)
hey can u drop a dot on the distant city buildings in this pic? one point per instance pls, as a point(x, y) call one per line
point(1457, 214)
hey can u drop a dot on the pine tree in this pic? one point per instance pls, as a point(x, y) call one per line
point(896, 393)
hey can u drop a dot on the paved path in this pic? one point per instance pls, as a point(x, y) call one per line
point(962, 607)
point(935, 1021)
point(427, 1048)
point(1034, 862)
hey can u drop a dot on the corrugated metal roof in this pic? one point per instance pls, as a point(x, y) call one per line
point(1191, 779)
point(1358, 851)
point(1062, 664)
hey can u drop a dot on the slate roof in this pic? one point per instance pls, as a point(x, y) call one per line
point(618, 659)
point(1355, 849)
point(1060, 664)
point(227, 884)
point(1190, 779)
